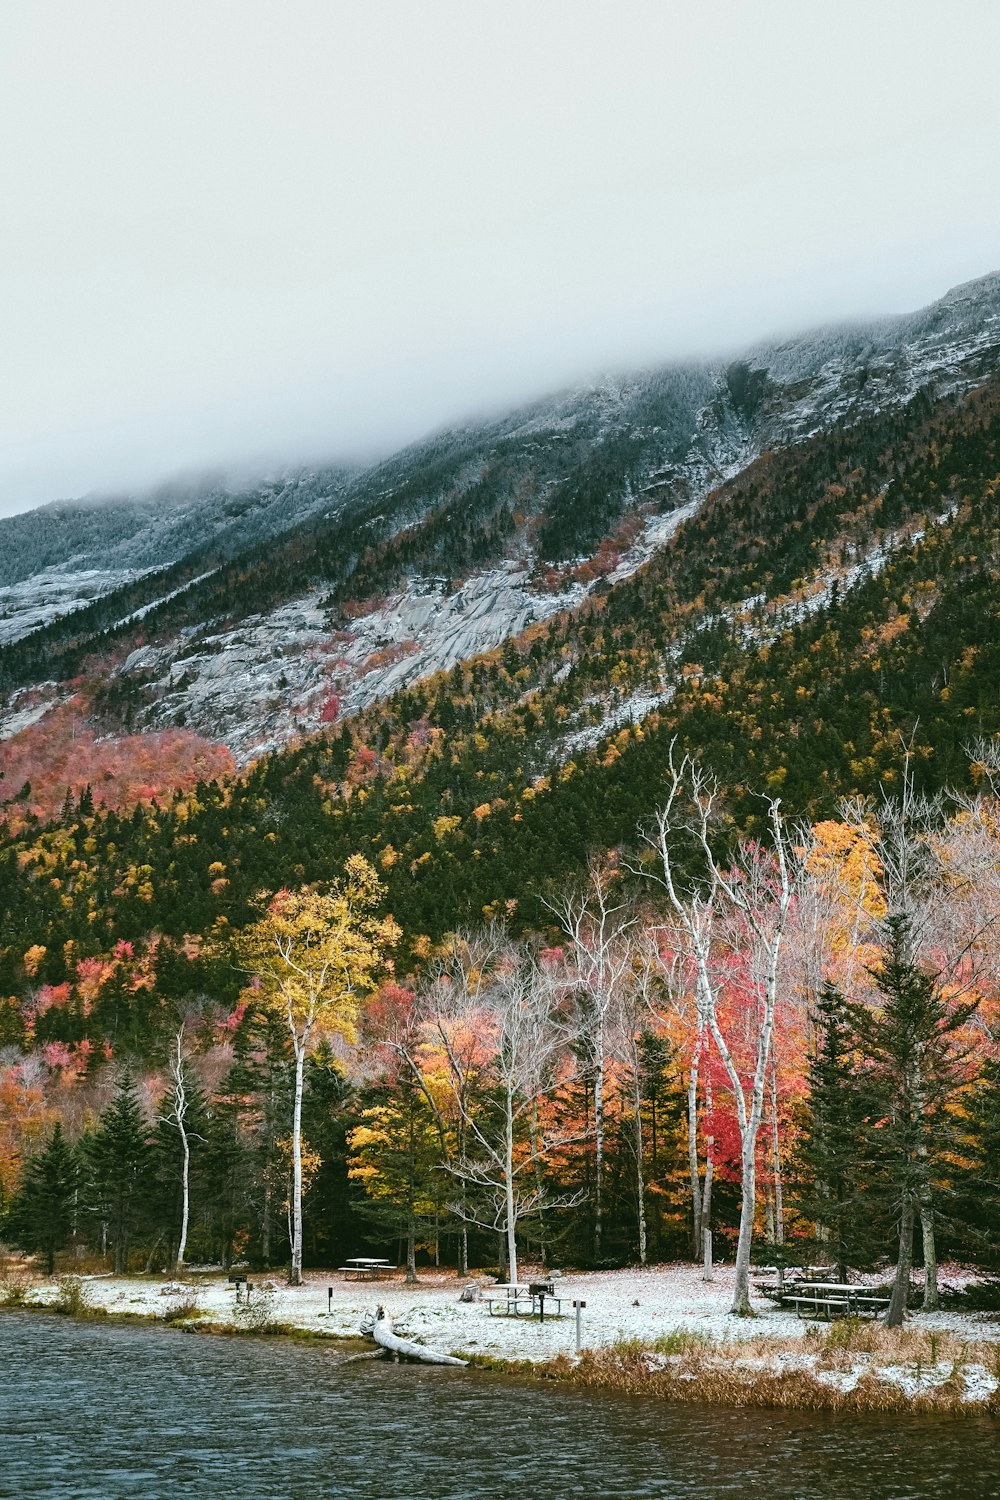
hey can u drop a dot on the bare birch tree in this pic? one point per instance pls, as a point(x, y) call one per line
point(753, 895)
point(597, 923)
point(178, 1099)
point(505, 1051)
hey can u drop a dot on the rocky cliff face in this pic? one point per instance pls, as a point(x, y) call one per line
point(266, 611)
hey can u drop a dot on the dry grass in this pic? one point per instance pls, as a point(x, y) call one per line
point(787, 1372)
point(182, 1311)
point(15, 1280)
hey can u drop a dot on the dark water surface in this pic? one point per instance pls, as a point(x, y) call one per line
point(91, 1412)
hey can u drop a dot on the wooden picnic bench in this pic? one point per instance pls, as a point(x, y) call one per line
point(778, 1284)
point(365, 1267)
point(834, 1299)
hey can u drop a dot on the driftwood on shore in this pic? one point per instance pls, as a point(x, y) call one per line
point(378, 1326)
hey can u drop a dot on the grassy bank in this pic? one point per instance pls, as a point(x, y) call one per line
point(255, 1319)
point(849, 1366)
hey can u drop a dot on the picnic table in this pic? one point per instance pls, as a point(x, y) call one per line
point(834, 1299)
point(779, 1280)
point(509, 1296)
point(366, 1267)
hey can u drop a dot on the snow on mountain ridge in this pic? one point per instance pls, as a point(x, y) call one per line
point(259, 680)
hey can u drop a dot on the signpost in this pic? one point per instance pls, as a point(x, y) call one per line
point(578, 1309)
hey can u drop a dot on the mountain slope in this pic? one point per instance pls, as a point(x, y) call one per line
point(830, 604)
point(297, 610)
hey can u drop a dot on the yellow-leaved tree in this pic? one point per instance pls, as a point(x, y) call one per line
point(313, 954)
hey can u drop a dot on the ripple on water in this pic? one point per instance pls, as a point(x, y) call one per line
point(90, 1412)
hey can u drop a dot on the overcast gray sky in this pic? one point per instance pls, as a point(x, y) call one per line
point(236, 230)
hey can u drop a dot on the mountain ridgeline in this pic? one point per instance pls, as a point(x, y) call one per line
point(545, 485)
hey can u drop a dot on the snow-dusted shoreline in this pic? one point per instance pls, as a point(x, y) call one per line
point(654, 1315)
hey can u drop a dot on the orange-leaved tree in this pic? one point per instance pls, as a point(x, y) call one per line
point(313, 954)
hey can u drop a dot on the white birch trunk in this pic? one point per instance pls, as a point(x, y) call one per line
point(692, 1130)
point(185, 1193)
point(779, 1209)
point(511, 1225)
point(379, 1327)
point(295, 1274)
point(598, 1140)
point(640, 1175)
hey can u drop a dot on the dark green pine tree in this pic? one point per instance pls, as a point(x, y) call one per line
point(915, 1067)
point(979, 1188)
point(118, 1160)
point(329, 1112)
point(662, 1108)
point(831, 1164)
point(44, 1211)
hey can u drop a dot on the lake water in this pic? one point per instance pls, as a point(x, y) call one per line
point(91, 1412)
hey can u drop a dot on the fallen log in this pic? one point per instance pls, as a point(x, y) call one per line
point(378, 1326)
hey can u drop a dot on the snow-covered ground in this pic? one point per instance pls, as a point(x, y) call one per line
point(35, 601)
point(633, 1304)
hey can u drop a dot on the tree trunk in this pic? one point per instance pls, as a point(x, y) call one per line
point(463, 1250)
point(380, 1329)
point(265, 1221)
point(748, 1189)
point(901, 1285)
point(539, 1182)
point(295, 1274)
point(779, 1211)
point(706, 1196)
point(511, 1226)
point(152, 1254)
point(411, 1258)
point(599, 1145)
point(185, 1192)
point(640, 1179)
point(692, 1122)
point(931, 1300)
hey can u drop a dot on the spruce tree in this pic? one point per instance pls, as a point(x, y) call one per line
point(915, 1071)
point(830, 1157)
point(118, 1159)
point(979, 1187)
point(44, 1211)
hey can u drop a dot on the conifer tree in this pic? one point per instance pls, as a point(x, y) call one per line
point(118, 1161)
point(44, 1211)
point(980, 1185)
point(831, 1153)
point(395, 1154)
point(915, 1070)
